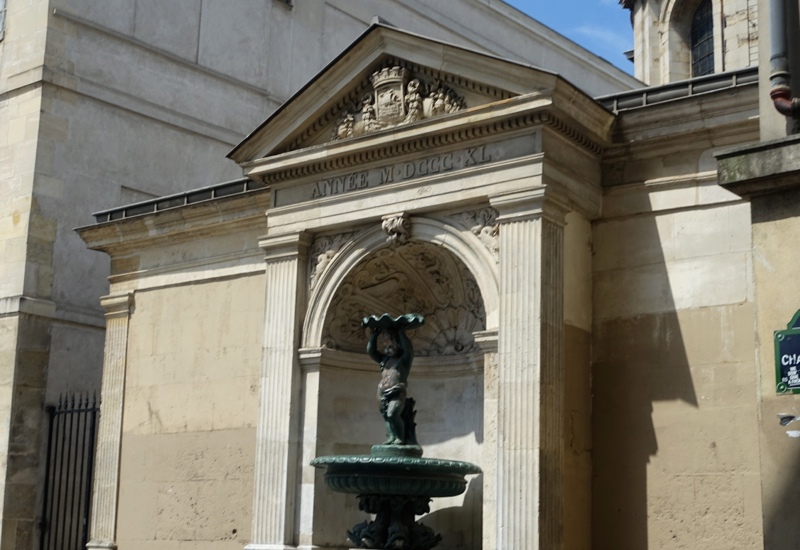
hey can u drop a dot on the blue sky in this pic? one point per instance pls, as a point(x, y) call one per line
point(600, 26)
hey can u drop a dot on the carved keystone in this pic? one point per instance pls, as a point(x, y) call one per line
point(397, 227)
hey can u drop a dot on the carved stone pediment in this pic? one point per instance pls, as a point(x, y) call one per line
point(393, 94)
point(415, 277)
point(391, 79)
point(396, 99)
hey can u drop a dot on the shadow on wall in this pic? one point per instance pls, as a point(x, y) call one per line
point(638, 359)
point(780, 446)
point(465, 512)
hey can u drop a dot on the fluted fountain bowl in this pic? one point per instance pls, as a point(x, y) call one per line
point(395, 475)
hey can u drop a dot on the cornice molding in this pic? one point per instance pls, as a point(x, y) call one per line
point(426, 142)
point(13, 305)
point(281, 247)
point(181, 224)
point(544, 202)
point(724, 113)
point(117, 305)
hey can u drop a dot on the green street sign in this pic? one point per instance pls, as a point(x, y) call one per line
point(787, 357)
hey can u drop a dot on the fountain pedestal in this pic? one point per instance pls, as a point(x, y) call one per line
point(395, 488)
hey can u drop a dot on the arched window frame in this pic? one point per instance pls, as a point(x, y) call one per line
point(676, 17)
point(701, 39)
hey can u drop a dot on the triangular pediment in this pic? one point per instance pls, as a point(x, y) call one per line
point(386, 79)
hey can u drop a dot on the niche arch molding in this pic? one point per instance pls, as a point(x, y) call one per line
point(444, 232)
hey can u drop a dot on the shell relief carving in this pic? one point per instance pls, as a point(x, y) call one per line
point(414, 277)
point(396, 99)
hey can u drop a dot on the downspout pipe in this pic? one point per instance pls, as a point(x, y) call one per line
point(779, 75)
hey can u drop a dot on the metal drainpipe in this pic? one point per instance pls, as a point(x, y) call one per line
point(780, 93)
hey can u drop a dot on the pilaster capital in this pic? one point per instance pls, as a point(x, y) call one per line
point(117, 305)
point(541, 202)
point(289, 245)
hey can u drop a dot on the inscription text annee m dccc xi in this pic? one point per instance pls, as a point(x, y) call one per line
point(400, 172)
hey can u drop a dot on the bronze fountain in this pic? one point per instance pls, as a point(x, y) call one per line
point(394, 482)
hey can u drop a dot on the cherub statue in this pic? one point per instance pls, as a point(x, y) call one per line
point(392, 350)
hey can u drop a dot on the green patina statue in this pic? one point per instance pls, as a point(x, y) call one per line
point(394, 482)
point(392, 350)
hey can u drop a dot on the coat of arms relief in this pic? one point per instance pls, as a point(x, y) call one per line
point(396, 99)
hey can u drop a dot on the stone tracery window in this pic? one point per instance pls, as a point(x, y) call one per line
point(702, 40)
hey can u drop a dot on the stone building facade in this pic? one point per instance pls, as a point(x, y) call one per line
point(666, 31)
point(593, 290)
point(116, 101)
point(591, 280)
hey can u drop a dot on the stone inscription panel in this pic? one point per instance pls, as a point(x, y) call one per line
point(454, 161)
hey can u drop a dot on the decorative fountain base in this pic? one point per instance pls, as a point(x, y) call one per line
point(396, 488)
point(395, 483)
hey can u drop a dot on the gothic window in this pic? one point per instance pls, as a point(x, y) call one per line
point(703, 40)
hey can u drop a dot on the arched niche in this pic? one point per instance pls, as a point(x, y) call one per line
point(448, 234)
point(447, 377)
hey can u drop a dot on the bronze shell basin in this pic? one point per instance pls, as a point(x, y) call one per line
point(412, 476)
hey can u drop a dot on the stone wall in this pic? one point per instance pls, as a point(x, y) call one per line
point(191, 401)
point(578, 382)
point(775, 222)
point(675, 422)
point(26, 238)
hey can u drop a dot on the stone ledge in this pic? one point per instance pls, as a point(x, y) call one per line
point(761, 168)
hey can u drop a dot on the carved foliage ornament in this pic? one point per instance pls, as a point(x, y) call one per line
point(396, 99)
point(398, 229)
point(322, 252)
point(483, 224)
point(419, 277)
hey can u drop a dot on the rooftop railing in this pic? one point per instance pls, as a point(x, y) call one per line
point(643, 97)
point(224, 189)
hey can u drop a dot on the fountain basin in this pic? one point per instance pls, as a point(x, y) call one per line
point(391, 476)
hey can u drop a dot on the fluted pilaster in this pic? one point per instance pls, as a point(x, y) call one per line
point(277, 437)
point(109, 436)
point(530, 374)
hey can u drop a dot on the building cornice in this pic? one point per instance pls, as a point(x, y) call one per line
point(211, 218)
point(761, 168)
point(726, 116)
point(587, 125)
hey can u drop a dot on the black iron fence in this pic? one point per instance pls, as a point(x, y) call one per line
point(68, 478)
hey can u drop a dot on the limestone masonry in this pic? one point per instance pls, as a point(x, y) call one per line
point(602, 263)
